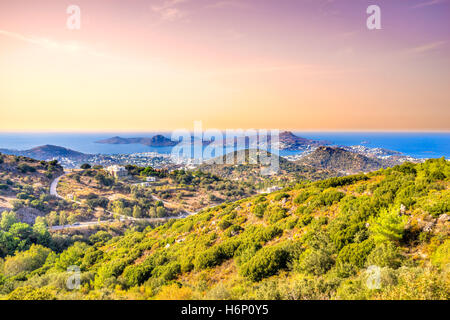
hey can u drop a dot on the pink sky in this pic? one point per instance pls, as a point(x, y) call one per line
point(290, 64)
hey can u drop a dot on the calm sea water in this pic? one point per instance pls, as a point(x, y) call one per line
point(419, 145)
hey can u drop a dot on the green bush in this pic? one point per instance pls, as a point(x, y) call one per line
point(355, 254)
point(441, 257)
point(276, 214)
point(388, 226)
point(266, 262)
point(315, 261)
point(29, 260)
point(72, 256)
point(385, 255)
point(24, 168)
point(280, 196)
point(259, 210)
point(302, 197)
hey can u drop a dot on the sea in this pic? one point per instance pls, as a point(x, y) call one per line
point(416, 144)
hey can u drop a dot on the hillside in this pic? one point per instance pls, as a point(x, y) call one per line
point(338, 159)
point(24, 185)
point(384, 235)
point(253, 168)
point(289, 141)
point(47, 152)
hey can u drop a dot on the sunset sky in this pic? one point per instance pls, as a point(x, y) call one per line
point(145, 65)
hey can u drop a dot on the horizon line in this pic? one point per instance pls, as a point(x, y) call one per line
point(190, 130)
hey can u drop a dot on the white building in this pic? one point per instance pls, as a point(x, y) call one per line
point(117, 171)
point(271, 189)
point(150, 179)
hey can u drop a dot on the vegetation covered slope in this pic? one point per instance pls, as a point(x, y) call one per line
point(25, 183)
point(47, 152)
point(249, 165)
point(340, 160)
point(384, 235)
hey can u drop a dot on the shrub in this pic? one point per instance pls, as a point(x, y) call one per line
point(328, 197)
point(280, 196)
point(24, 168)
point(85, 166)
point(385, 255)
point(259, 210)
point(72, 256)
point(216, 255)
point(304, 220)
point(8, 219)
point(355, 254)
point(302, 197)
point(225, 224)
point(315, 261)
point(441, 257)
point(30, 293)
point(100, 237)
point(136, 274)
point(29, 260)
point(276, 214)
point(266, 262)
point(341, 181)
point(388, 226)
point(168, 271)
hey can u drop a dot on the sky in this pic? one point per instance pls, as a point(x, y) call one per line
point(148, 65)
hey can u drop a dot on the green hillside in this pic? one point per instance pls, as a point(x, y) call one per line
point(384, 235)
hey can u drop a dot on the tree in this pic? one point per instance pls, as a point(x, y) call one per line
point(160, 212)
point(8, 243)
point(152, 212)
point(85, 166)
point(62, 218)
point(117, 207)
point(53, 219)
point(8, 219)
point(388, 226)
point(29, 260)
point(137, 212)
point(41, 232)
point(21, 230)
point(72, 256)
point(73, 217)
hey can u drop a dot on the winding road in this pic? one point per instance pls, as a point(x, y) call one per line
point(80, 225)
point(54, 184)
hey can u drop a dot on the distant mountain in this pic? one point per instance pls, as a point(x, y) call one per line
point(155, 141)
point(341, 160)
point(47, 152)
point(289, 141)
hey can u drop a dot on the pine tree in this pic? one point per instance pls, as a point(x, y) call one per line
point(8, 219)
point(388, 226)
